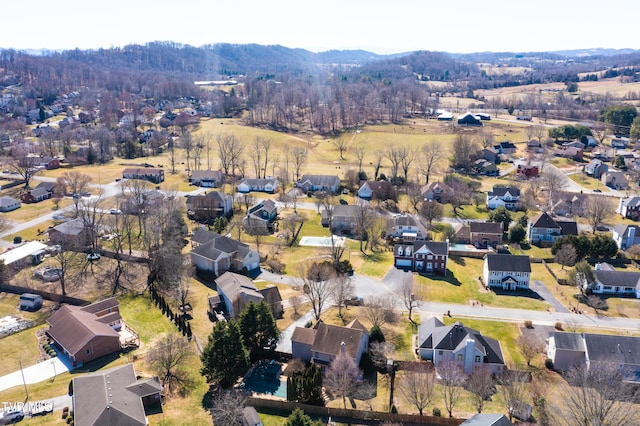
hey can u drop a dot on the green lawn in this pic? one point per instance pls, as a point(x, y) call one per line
point(588, 182)
point(144, 317)
point(375, 264)
point(461, 286)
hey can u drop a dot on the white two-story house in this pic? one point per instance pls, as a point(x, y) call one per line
point(503, 196)
point(507, 271)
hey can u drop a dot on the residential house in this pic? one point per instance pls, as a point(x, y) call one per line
point(378, 189)
point(207, 178)
point(596, 168)
point(238, 290)
point(505, 147)
point(570, 204)
point(89, 332)
point(217, 254)
point(485, 168)
point(574, 144)
point(341, 219)
point(543, 229)
point(503, 196)
point(322, 343)
point(534, 146)
point(487, 419)
point(468, 119)
point(8, 204)
point(626, 236)
point(115, 396)
point(312, 183)
point(465, 346)
point(47, 163)
point(406, 227)
point(620, 143)
point(615, 180)
point(482, 116)
point(261, 217)
point(485, 234)
point(35, 195)
point(528, 171)
point(444, 115)
point(425, 257)
point(150, 174)
point(71, 233)
point(616, 283)
point(436, 191)
point(268, 185)
point(629, 208)
point(568, 350)
point(570, 152)
point(462, 233)
point(506, 271)
point(25, 254)
point(205, 208)
point(488, 154)
point(603, 153)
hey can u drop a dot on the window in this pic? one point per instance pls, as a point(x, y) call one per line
point(440, 353)
point(459, 357)
point(477, 358)
point(88, 351)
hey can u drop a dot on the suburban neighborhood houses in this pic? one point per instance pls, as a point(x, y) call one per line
point(221, 235)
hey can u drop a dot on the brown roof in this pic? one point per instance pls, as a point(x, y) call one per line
point(486, 227)
point(102, 306)
point(142, 171)
point(72, 328)
point(357, 325)
point(329, 338)
point(304, 335)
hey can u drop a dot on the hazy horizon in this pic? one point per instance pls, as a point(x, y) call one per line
point(375, 26)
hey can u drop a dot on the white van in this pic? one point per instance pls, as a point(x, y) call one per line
point(11, 416)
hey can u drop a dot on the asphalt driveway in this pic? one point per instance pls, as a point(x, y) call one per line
point(543, 291)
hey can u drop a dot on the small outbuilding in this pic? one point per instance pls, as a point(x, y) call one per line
point(30, 302)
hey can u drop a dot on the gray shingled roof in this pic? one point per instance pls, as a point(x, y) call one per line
point(618, 278)
point(508, 262)
point(604, 347)
point(543, 220)
point(501, 191)
point(486, 227)
point(568, 341)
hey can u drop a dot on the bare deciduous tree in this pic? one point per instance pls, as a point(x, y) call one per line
point(316, 279)
point(596, 396)
point(341, 377)
point(566, 255)
point(168, 358)
point(293, 224)
point(431, 210)
point(378, 310)
point(481, 384)
point(341, 143)
point(431, 154)
point(299, 157)
point(24, 163)
point(359, 153)
point(227, 406)
point(513, 390)
point(530, 346)
point(342, 289)
point(598, 210)
point(380, 352)
point(230, 152)
point(554, 181)
point(451, 378)
point(417, 388)
point(409, 299)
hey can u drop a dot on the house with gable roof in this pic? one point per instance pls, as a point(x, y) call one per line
point(543, 229)
point(88, 332)
point(268, 185)
point(465, 346)
point(209, 206)
point(207, 178)
point(629, 208)
point(312, 183)
point(507, 197)
point(426, 257)
point(151, 174)
point(625, 235)
point(261, 217)
point(73, 232)
point(370, 188)
point(322, 343)
point(216, 253)
point(485, 234)
point(568, 350)
point(405, 226)
point(615, 179)
point(612, 282)
point(115, 396)
point(507, 271)
point(8, 204)
point(236, 291)
point(436, 191)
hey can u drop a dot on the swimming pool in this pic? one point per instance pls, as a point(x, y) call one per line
point(265, 378)
point(322, 241)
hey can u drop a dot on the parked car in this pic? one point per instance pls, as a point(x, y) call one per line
point(115, 211)
point(11, 415)
point(91, 257)
point(354, 301)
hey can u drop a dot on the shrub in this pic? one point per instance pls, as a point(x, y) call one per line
point(558, 326)
point(17, 239)
point(528, 324)
point(275, 266)
point(436, 412)
point(548, 363)
point(308, 324)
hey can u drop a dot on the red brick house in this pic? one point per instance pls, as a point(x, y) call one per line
point(426, 257)
point(151, 174)
point(528, 171)
point(89, 332)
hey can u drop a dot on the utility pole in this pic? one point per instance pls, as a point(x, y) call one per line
point(24, 382)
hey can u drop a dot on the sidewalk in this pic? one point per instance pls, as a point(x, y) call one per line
point(36, 373)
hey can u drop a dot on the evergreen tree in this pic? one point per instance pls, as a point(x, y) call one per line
point(225, 358)
point(259, 331)
point(299, 418)
point(305, 387)
point(376, 334)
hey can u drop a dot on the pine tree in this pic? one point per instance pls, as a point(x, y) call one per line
point(259, 331)
point(225, 358)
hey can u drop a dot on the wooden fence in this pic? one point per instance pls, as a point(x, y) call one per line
point(314, 410)
point(58, 298)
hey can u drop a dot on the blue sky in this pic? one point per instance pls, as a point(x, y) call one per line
point(378, 26)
